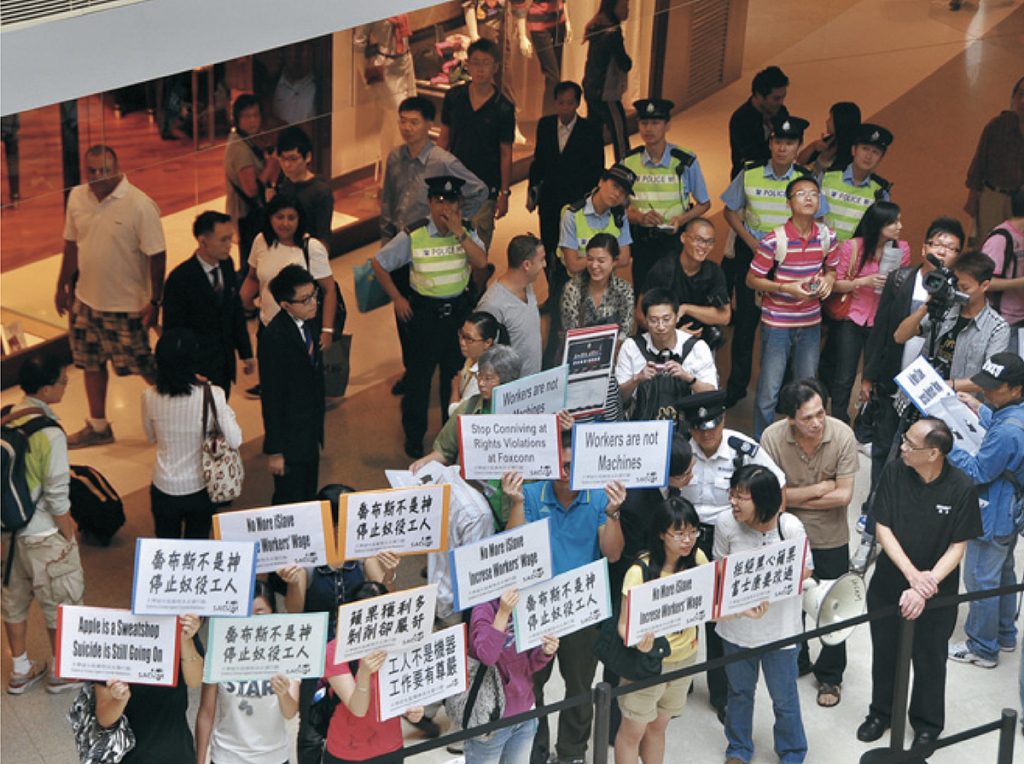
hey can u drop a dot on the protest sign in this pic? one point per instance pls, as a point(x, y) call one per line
point(425, 674)
point(769, 573)
point(589, 353)
point(634, 453)
point(98, 644)
point(398, 621)
point(193, 576)
point(402, 520)
point(568, 602)
point(289, 534)
point(928, 391)
point(513, 559)
point(254, 648)
point(541, 393)
point(670, 604)
point(492, 444)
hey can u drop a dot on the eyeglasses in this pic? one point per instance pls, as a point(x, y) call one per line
point(951, 248)
point(700, 241)
point(734, 496)
point(304, 300)
point(661, 321)
point(488, 378)
point(466, 338)
point(683, 535)
point(804, 195)
point(910, 446)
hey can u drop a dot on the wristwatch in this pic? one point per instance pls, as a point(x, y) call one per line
point(614, 515)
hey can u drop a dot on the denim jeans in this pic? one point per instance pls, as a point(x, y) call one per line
point(990, 622)
point(777, 346)
point(509, 745)
point(780, 675)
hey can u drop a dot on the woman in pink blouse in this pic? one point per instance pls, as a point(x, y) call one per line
point(864, 262)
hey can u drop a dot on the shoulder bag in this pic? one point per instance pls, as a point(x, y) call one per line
point(628, 662)
point(483, 702)
point(223, 471)
point(837, 305)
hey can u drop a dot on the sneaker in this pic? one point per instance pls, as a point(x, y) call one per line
point(253, 393)
point(87, 436)
point(959, 652)
point(1008, 648)
point(457, 748)
point(55, 685)
point(22, 683)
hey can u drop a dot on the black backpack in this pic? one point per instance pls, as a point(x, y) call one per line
point(662, 396)
point(1012, 267)
point(96, 507)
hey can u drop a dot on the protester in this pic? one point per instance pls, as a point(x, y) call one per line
point(478, 334)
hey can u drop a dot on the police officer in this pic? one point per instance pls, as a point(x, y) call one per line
point(668, 192)
point(603, 210)
point(755, 203)
point(717, 453)
point(440, 249)
point(849, 192)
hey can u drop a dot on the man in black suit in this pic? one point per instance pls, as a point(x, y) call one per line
point(292, 380)
point(567, 164)
point(201, 295)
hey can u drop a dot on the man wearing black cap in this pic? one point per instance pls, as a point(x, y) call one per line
point(755, 204)
point(998, 472)
point(603, 210)
point(851, 191)
point(669, 188)
point(440, 249)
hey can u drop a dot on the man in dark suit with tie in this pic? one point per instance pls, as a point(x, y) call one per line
point(567, 164)
point(292, 380)
point(201, 295)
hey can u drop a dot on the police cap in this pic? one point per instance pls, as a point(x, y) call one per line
point(873, 135)
point(444, 187)
point(789, 127)
point(653, 108)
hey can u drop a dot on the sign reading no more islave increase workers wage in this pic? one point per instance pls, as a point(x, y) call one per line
point(195, 576)
point(95, 643)
point(635, 454)
point(769, 573)
point(671, 603)
point(397, 621)
point(402, 520)
point(425, 674)
point(540, 393)
point(589, 353)
point(565, 604)
point(516, 558)
point(492, 444)
point(260, 646)
point(289, 534)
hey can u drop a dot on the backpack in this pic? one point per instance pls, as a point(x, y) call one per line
point(95, 506)
point(628, 662)
point(781, 250)
point(17, 505)
point(1013, 263)
point(662, 396)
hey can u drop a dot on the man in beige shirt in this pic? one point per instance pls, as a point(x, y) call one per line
point(819, 456)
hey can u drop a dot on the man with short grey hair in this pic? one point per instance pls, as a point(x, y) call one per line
point(512, 301)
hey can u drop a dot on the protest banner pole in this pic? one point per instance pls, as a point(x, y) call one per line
point(602, 721)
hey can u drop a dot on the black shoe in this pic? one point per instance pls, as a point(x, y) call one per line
point(399, 387)
point(413, 449)
point(720, 714)
point(428, 727)
point(925, 740)
point(872, 729)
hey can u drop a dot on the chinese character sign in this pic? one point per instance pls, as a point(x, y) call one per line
point(293, 644)
point(492, 444)
point(398, 621)
point(635, 454)
point(568, 602)
point(670, 604)
point(517, 558)
point(541, 393)
point(103, 643)
point(193, 576)
point(402, 520)
point(425, 674)
point(289, 534)
point(769, 573)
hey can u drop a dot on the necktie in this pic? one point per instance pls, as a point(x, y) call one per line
point(215, 282)
point(307, 335)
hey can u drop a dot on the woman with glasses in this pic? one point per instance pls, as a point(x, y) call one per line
point(672, 541)
point(754, 522)
point(480, 332)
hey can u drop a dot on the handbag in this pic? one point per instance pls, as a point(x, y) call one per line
point(628, 662)
point(837, 306)
point(97, 744)
point(223, 471)
point(340, 310)
point(336, 366)
point(370, 295)
point(483, 702)
point(322, 708)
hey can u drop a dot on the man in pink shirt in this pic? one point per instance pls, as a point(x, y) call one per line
point(1005, 245)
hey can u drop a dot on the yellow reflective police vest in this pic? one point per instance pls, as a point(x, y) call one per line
point(847, 202)
point(584, 231)
point(440, 267)
point(766, 204)
point(661, 189)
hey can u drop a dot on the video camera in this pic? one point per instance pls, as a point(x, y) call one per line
point(941, 285)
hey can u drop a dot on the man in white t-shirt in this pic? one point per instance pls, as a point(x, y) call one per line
point(111, 280)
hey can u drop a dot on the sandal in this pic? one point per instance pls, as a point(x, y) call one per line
point(829, 695)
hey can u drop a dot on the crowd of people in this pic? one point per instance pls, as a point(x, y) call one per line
point(817, 261)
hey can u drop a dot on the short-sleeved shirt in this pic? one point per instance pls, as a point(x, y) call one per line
point(249, 728)
point(835, 458)
point(705, 288)
point(574, 529)
point(865, 299)
point(700, 361)
point(522, 319)
point(925, 518)
point(317, 202)
point(476, 135)
point(804, 259)
point(682, 644)
point(269, 261)
point(115, 238)
point(398, 251)
point(692, 178)
point(567, 236)
point(238, 155)
point(1011, 306)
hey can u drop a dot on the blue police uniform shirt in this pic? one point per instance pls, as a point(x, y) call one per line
point(693, 176)
point(568, 238)
point(735, 196)
point(574, 530)
point(398, 251)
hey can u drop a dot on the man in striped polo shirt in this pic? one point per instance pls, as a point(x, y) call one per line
point(794, 269)
point(851, 191)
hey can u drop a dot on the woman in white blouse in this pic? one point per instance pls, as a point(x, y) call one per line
point(172, 416)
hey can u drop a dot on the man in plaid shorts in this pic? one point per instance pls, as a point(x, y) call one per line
point(111, 280)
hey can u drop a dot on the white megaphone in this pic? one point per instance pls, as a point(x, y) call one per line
point(832, 601)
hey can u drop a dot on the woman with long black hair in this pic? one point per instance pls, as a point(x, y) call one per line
point(606, 70)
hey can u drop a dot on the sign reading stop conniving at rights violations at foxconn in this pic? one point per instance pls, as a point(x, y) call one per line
point(492, 444)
